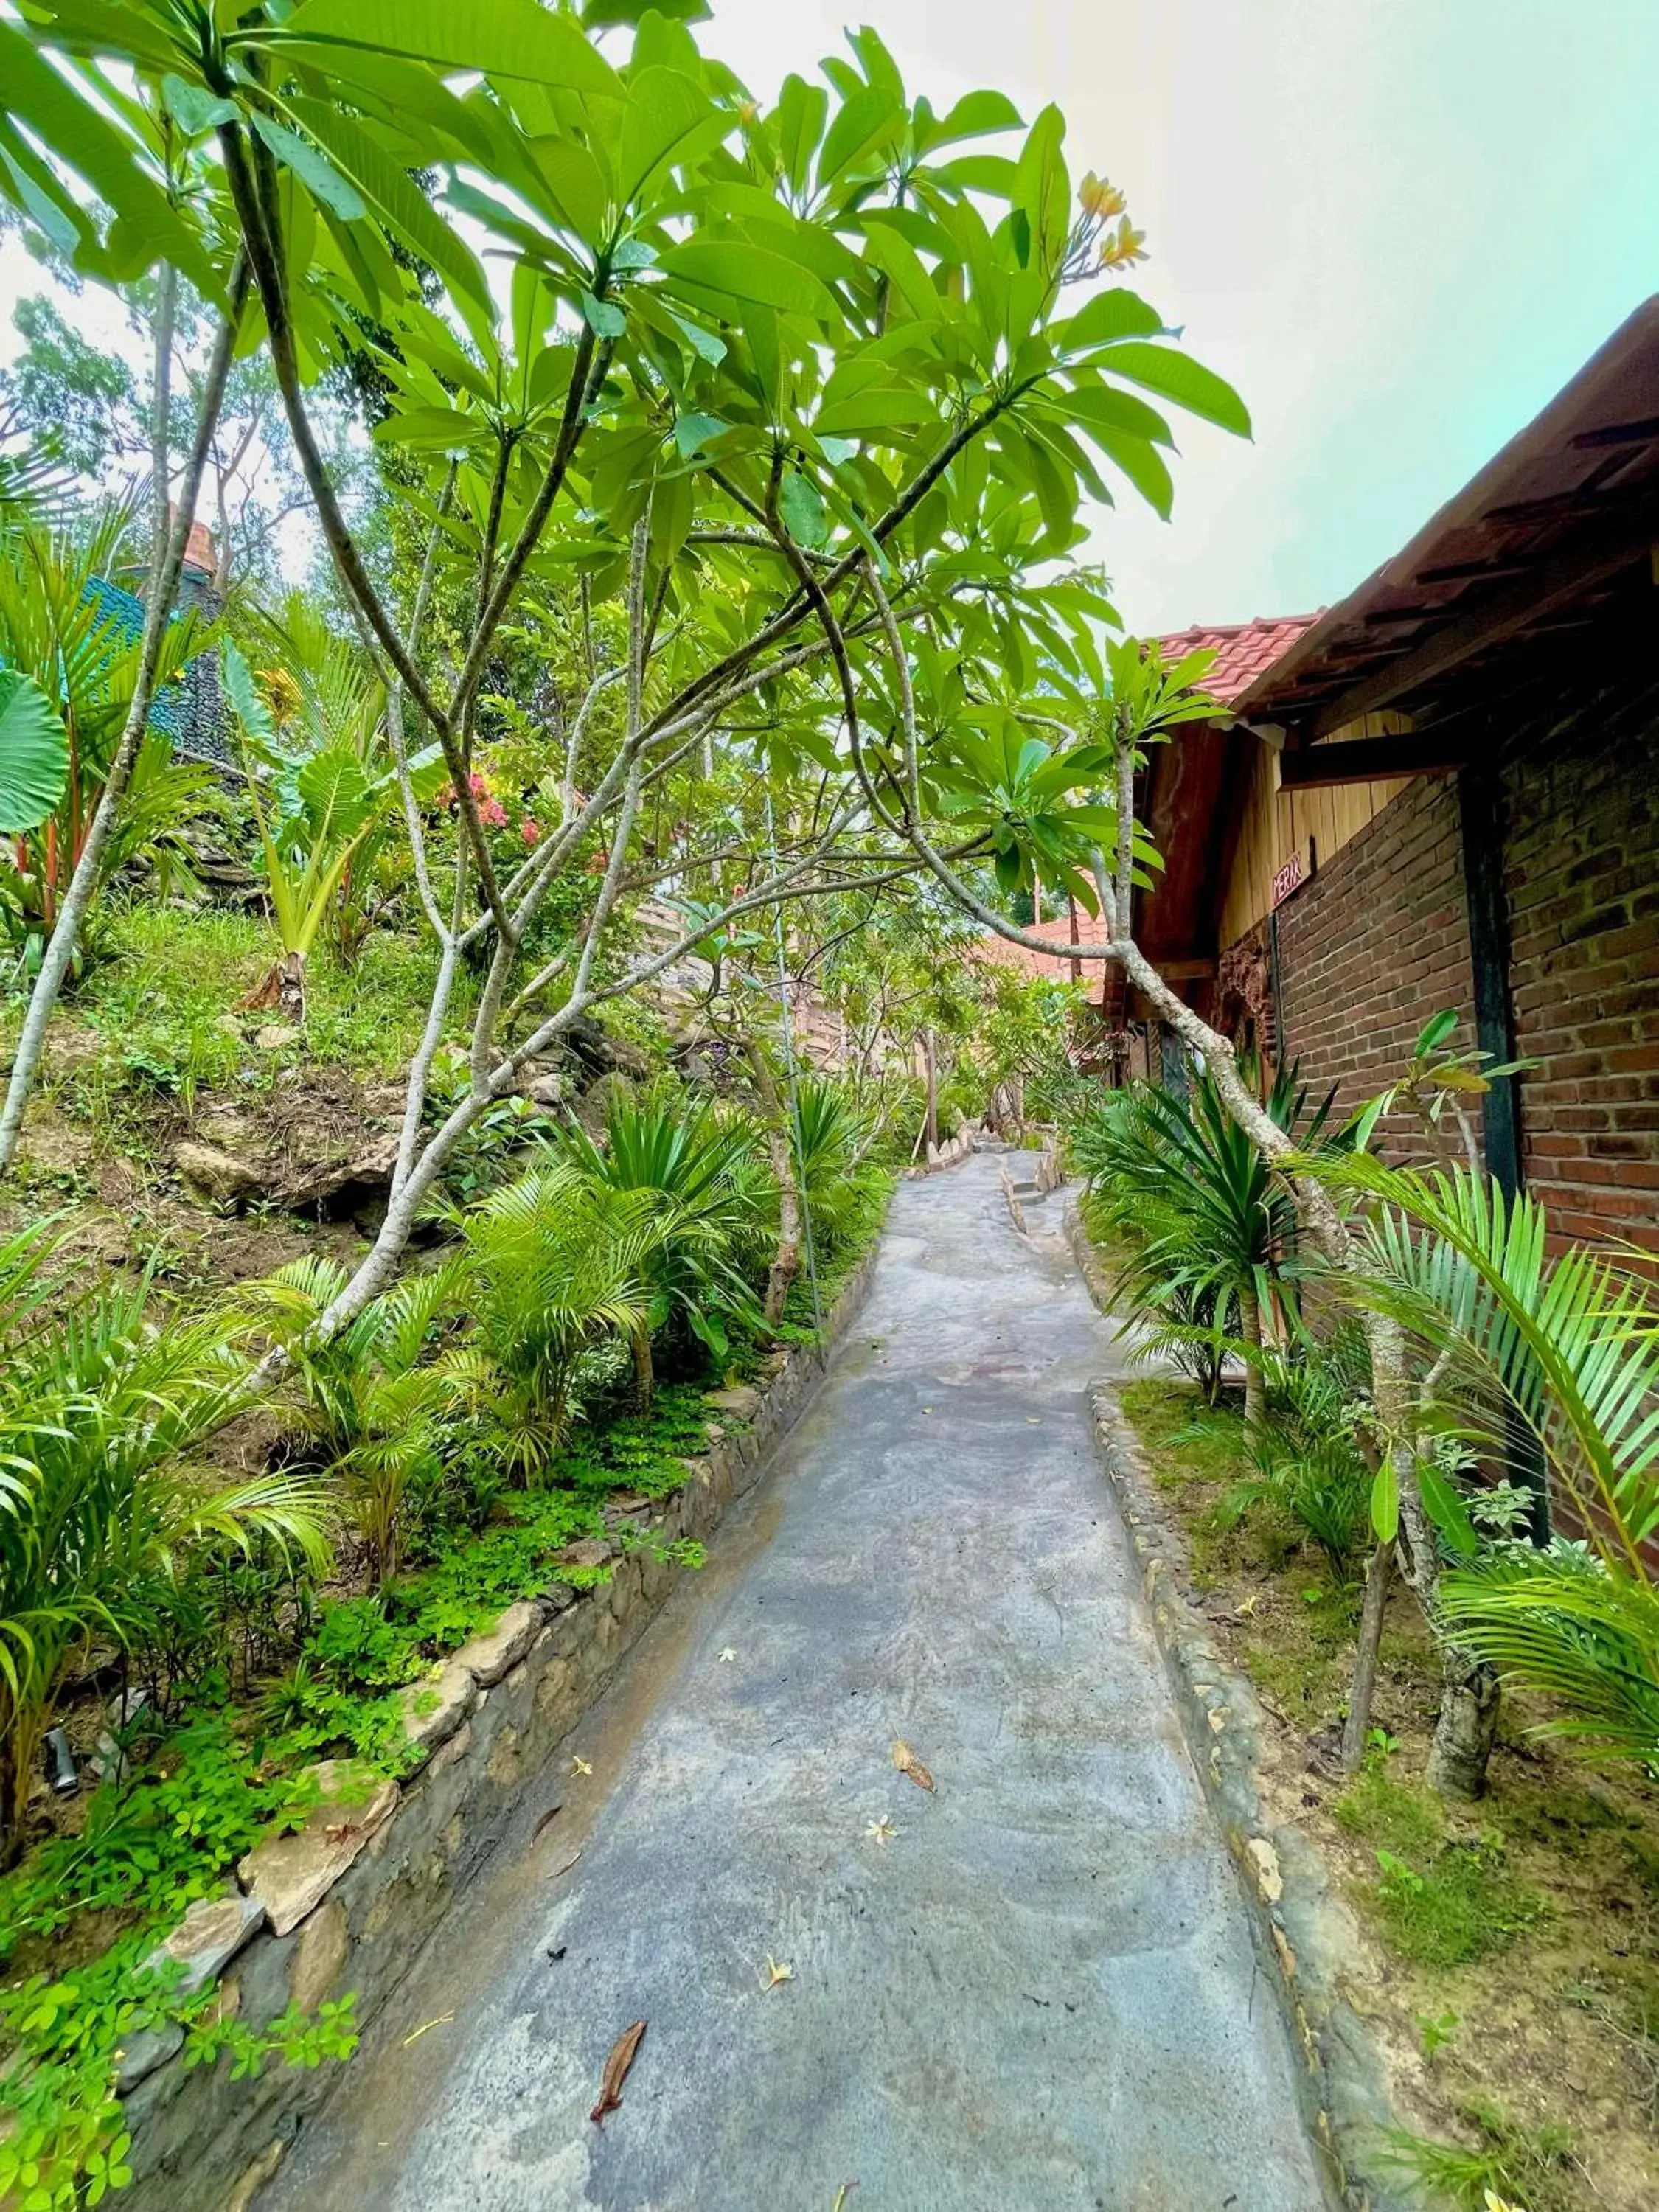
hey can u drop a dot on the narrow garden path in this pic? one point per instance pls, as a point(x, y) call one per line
point(1039, 1992)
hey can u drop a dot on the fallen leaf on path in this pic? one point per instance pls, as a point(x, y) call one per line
point(906, 1763)
point(547, 1819)
point(442, 2020)
point(566, 1863)
point(776, 1973)
point(615, 2071)
point(842, 2196)
point(579, 1766)
point(881, 1832)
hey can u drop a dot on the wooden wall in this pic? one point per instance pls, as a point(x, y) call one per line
point(1276, 823)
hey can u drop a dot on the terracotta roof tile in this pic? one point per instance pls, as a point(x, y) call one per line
point(1243, 650)
point(1058, 932)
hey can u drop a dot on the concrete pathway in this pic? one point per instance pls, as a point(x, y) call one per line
point(1039, 1993)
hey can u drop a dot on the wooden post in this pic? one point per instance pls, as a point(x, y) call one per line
point(1481, 826)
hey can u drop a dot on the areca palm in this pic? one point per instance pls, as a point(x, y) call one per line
point(1573, 1341)
point(553, 1264)
point(690, 1163)
point(370, 1398)
point(102, 1418)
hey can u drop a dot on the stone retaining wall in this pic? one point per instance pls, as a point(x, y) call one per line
point(1302, 1931)
point(348, 1902)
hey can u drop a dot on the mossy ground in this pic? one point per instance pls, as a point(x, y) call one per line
point(1511, 1949)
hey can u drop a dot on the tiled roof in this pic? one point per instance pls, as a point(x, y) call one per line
point(1058, 932)
point(1243, 650)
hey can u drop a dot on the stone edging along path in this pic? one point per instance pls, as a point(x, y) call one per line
point(349, 1900)
point(1299, 1937)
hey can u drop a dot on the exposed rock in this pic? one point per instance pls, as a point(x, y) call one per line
point(595, 1046)
point(741, 1401)
point(291, 1873)
point(255, 2178)
point(319, 1956)
point(364, 1173)
point(217, 1175)
point(487, 1658)
point(455, 1750)
point(434, 1709)
point(143, 2052)
point(545, 1090)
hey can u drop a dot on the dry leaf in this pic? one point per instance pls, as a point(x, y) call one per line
point(615, 2071)
point(547, 1817)
point(776, 1973)
point(906, 1763)
point(579, 1766)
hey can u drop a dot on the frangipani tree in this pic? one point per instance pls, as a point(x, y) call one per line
point(795, 390)
point(791, 402)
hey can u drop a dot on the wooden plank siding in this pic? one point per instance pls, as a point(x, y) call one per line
point(1316, 824)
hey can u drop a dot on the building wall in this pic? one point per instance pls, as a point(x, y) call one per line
point(1371, 947)
point(1318, 824)
point(1378, 941)
point(1581, 864)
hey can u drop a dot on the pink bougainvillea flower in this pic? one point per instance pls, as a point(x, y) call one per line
point(529, 830)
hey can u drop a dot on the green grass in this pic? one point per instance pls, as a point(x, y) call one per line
point(163, 1002)
point(1383, 1811)
point(1449, 1909)
point(1300, 1656)
point(1521, 2166)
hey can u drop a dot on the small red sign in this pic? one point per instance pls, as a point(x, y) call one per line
point(1287, 878)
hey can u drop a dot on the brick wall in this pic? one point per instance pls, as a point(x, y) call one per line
point(1581, 856)
point(1373, 945)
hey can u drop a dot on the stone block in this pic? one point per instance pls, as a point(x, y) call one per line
point(454, 1750)
point(208, 1938)
point(320, 1953)
point(487, 1658)
point(624, 1591)
point(291, 1873)
point(587, 1552)
point(435, 1708)
point(740, 1403)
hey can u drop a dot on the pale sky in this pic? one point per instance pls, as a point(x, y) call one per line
point(1397, 226)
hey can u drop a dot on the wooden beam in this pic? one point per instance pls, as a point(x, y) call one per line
point(1183, 971)
point(1366, 760)
point(1591, 555)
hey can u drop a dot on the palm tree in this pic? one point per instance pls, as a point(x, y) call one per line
point(1573, 1342)
point(101, 1414)
point(553, 1264)
point(373, 1404)
point(60, 628)
point(692, 1163)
